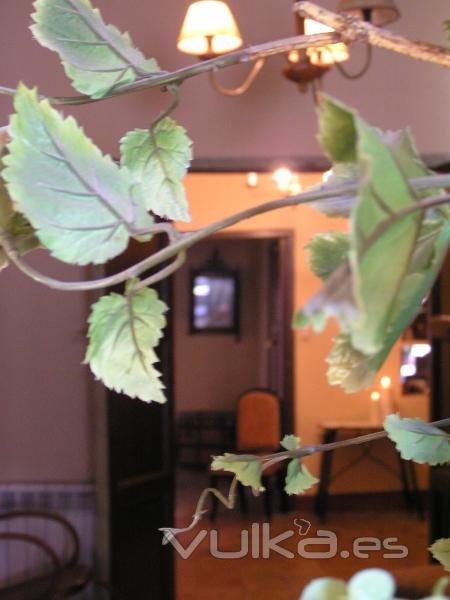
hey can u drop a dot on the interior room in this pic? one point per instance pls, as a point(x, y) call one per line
point(88, 474)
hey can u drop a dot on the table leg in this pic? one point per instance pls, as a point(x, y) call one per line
point(417, 498)
point(321, 500)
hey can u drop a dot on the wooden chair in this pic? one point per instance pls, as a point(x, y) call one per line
point(55, 572)
point(257, 432)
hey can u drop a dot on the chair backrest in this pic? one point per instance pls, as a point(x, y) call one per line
point(258, 421)
point(35, 544)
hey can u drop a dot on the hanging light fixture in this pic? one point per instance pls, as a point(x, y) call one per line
point(377, 12)
point(209, 29)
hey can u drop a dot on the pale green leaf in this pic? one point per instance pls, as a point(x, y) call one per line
point(337, 132)
point(317, 320)
point(418, 441)
point(95, 56)
point(335, 298)
point(441, 552)
point(248, 471)
point(123, 332)
point(82, 205)
point(325, 588)
point(348, 367)
point(371, 584)
point(159, 158)
point(298, 478)
point(327, 251)
point(380, 262)
point(290, 442)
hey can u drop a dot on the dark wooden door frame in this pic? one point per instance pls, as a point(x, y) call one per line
point(285, 239)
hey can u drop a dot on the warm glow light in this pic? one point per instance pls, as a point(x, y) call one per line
point(208, 29)
point(408, 370)
point(385, 382)
point(283, 178)
point(375, 396)
point(420, 350)
point(252, 179)
point(326, 55)
point(326, 176)
point(294, 56)
point(295, 187)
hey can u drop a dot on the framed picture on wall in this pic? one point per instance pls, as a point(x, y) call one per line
point(214, 298)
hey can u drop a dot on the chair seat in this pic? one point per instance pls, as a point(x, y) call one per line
point(70, 581)
point(417, 582)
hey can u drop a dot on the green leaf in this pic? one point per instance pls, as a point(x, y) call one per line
point(418, 441)
point(298, 478)
point(441, 552)
point(371, 584)
point(327, 251)
point(337, 132)
point(335, 298)
point(159, 158)
point(248, 471)
point(123, 332)
point(348, 367)
point(290, 442)
point(380, 259)
point(82, 205)
point(325, 588)
point(96, 56)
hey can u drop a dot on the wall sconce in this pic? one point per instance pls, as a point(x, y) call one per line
point(209, 29)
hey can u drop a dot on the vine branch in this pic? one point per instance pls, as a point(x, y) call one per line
point(181, 242)
point(356, 30)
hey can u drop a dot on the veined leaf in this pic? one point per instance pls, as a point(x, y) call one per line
point(82, 205)
point(380, 262)
point(95, 56)
point(418, 441)
point(441, 552)
point(248, 472)
point(327, 251)
point(298, 478)
point(123, 332)
point(337, 132)
point(159, 157)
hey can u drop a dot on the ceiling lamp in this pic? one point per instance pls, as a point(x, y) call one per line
point(209, 29)
point(377, 12)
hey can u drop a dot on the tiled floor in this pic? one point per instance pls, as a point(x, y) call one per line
point(204, 577)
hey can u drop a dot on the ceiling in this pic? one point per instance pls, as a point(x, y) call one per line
point(273, 119)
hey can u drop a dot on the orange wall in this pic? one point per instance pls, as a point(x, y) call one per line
point(214, 196)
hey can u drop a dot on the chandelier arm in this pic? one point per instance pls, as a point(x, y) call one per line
point(247, 83)
point(362, 71)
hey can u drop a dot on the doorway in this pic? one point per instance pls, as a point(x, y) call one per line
point(213, 368)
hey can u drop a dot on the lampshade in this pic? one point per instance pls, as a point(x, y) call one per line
point(209, 29)
point(378, 12)
point(324, 56)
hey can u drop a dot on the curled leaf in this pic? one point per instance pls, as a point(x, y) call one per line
point(123, 332)
point(441, 552)
point(159, 158)
point(298, 478)
point(248, 471)
point(418, 441)
point(95, 56)
point(327, 251)
point(83, 206)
